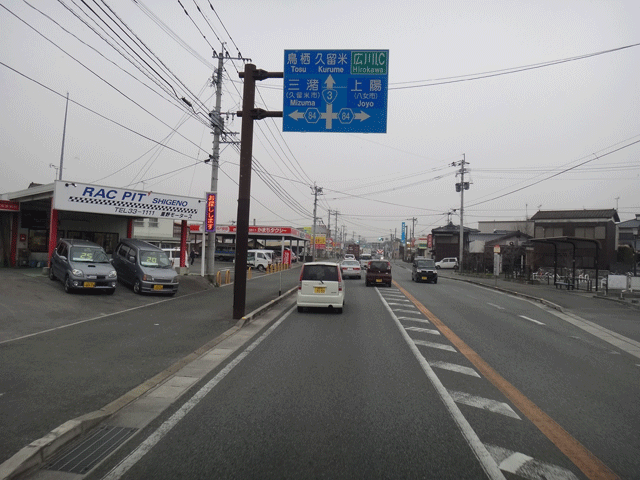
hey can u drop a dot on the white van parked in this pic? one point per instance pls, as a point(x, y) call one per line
point(260, 259)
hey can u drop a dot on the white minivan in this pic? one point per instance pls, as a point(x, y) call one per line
point(321, 285)
point(449, 262)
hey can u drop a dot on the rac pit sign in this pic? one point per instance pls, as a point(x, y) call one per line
point(79, 197)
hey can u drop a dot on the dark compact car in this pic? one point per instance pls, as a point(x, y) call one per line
point(82, 265)
point(378, 273)
point(424, 271)
point(145, 267)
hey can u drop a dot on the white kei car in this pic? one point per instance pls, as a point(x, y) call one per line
point(321, 285)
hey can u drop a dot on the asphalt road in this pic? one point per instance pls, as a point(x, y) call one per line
point(416, 381)
point(64, 355)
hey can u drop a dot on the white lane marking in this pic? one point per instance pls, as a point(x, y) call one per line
point(484, 403)
point(526, 466)
point(454, 367)
point(531, 320)
point(485, 459)
point(405, 311)
point(421, 320)
point(497, 306)
point(398, 303)
point(439, 346)
point(130, 460)
point(423, 330)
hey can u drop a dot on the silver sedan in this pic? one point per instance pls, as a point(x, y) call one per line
point(350, 268)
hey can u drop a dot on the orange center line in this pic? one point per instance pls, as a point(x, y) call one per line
point(581, 457)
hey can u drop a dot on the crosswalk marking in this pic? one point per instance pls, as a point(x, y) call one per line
point(421, 320)
point(484, 403)
point(406, 311)
point(454, 367)
point(526, 466)
point(440, 346)
point(423, 330)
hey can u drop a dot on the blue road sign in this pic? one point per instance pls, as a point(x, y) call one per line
point(335, 91)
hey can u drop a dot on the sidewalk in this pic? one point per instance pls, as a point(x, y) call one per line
point(555, 297)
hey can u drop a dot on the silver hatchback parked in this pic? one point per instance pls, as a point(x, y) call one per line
point(82, 265)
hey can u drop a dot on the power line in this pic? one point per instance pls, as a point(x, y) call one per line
point(99, 114)
point(507, 71)
point(556, 174)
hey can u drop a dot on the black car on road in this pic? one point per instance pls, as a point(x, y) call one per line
point(424, 271)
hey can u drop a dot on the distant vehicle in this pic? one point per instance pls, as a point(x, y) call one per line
point(349, 256)
point(225, 253)
point(354, 250)
point(145, 267)
point(424, 270)
point(81, 265)
point(449, 262)
point(351, 268)
point(259, 259)
point(321, 285)
point(378, 273)
point(365, 258)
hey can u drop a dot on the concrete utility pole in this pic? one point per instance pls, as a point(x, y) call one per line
point(316, 191)
point(248, 114)
point(218, 125)
point(461, 187)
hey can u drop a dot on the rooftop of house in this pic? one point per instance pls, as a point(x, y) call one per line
point(606, 214)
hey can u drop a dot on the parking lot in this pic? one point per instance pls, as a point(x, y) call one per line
point(31, 303)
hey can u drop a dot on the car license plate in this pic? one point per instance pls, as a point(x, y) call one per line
point(378, 280)
point(319, 289)
point(424, 278)
point(89, 284)
point(157, 287)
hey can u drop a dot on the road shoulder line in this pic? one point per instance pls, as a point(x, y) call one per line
point(41, 449)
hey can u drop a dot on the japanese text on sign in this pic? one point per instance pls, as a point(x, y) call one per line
point(335, 91)
point(210, 213)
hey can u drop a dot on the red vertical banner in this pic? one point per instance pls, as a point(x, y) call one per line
point(286, 257)
point(210, 213)
point(53, 230)
point(184, 229)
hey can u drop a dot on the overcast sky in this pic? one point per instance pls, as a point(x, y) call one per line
point(561, 136)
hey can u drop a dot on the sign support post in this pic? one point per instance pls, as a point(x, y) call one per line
point(248, 115)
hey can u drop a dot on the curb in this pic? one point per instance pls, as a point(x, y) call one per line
point(41, 449)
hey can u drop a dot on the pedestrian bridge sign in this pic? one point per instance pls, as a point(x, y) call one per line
point(335, 91)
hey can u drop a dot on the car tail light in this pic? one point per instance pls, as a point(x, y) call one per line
point(339, 280)
point(300, 283)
